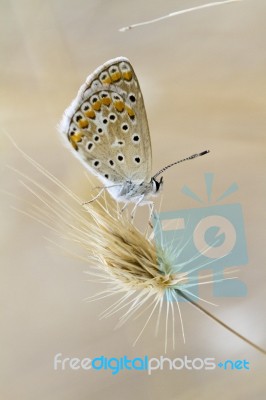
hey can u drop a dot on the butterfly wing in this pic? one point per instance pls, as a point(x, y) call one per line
point(107, 126)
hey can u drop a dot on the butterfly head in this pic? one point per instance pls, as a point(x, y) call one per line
point(156, 185)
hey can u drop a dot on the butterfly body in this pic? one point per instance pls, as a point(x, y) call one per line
point(136, 192)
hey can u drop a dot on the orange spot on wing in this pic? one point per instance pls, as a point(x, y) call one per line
point(83, 123)
point(107, 80)
point(116, 76)
point(130, 111)
point(76, 138)
point(127, 75)
point(90, 113)
point(106, 101)
point(119, 105)
point(97, 105)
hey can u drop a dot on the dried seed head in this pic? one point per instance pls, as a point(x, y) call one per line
point(124, 252)
point(117, 252)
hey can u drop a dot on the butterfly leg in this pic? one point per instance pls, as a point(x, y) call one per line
point(94, 198)
point(151, 207)
point(136, 205)
point(124, 207)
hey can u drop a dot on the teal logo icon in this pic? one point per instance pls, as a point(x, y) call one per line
point(208, 237)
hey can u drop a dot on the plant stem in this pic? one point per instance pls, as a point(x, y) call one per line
point(199, 307)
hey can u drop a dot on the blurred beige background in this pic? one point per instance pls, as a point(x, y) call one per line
point(203, 80)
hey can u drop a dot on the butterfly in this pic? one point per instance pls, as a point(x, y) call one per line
point(107, 128)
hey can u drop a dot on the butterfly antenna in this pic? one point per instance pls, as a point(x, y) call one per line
point(179, 161)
